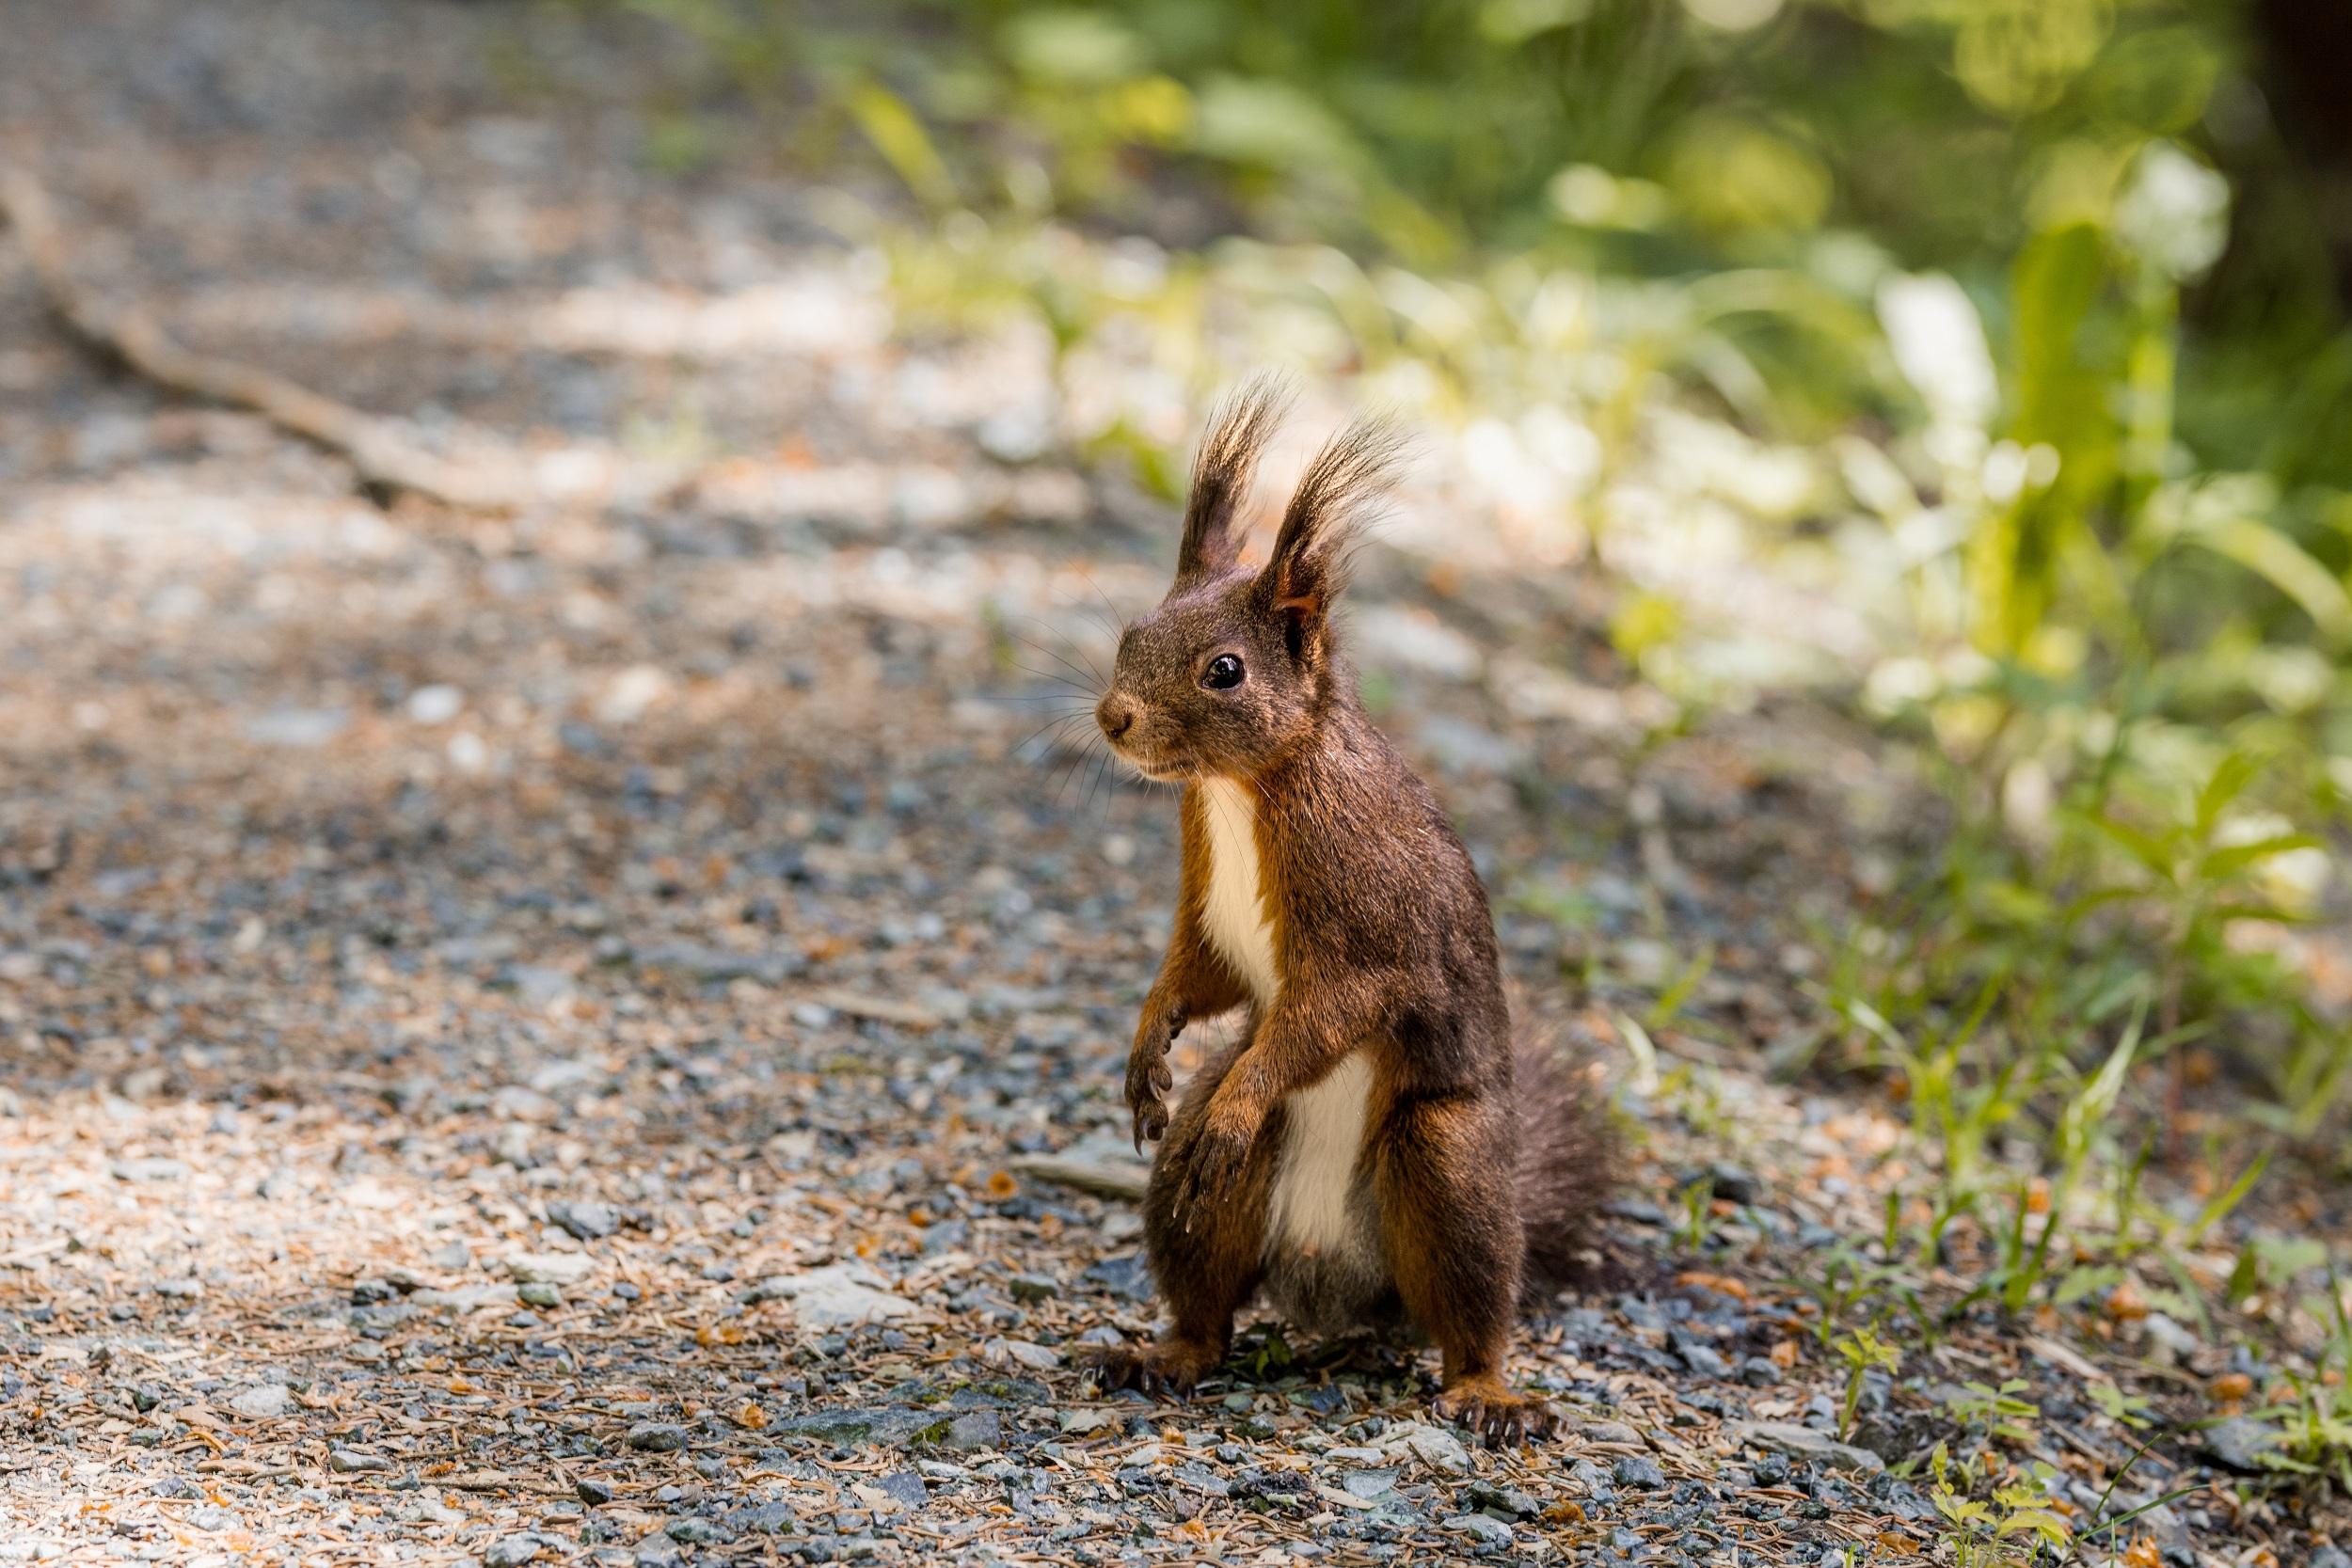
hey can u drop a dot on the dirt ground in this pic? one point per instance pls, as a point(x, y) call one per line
point(569, 1037)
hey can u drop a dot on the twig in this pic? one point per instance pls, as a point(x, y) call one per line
point(386, 460)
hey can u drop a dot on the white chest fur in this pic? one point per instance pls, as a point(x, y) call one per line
point(1234, 910)
point(1313, 1212)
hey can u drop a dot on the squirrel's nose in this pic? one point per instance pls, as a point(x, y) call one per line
point(1115, 714)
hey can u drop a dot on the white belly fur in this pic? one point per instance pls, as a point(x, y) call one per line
point(1313, 1187)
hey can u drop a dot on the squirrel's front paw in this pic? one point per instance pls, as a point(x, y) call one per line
point(1148, 1083)
point(1213, 1165)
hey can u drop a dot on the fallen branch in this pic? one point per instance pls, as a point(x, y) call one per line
point(386, 461)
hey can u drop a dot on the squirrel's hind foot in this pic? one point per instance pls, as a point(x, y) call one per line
point(1169, 1368)
point(1504, 1415)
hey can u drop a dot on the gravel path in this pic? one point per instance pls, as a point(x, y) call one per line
point(566, 1037)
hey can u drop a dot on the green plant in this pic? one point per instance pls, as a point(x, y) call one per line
point(2316, 1422)
point(1864, 1353)
point(1999, 1411)
point(1995, 1522)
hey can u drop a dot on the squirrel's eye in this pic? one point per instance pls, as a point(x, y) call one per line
point(1223, 674)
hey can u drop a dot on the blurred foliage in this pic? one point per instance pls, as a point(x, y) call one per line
point(1997, 325)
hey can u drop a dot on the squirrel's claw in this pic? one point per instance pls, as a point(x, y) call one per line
point(1151, 1123)
point(1504, 1417)
point(1161, 1370)
point(1212, 1168)
point(1148, 1083)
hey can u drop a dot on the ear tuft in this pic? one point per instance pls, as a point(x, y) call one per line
point(1223, 470)
point(1338, 497)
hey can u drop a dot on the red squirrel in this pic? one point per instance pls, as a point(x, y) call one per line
point(1377, 1146)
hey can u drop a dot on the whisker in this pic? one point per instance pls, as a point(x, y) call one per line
point(1093, 784)
point(1073, 645)
point(1098, 682)
point(1112, 626)
point(1067, 776)
point(1117, 620)
point(1080, 686)
point(1049, 724)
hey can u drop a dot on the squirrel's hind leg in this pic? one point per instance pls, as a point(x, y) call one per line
point(1454, 1243)
point(1206, 1260)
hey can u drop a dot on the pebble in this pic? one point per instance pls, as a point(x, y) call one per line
point(550, 1268)
point(657, 1437)
point(2242, 1443)
point(774, 1517)
point(838, 1296)
point(1434, 1446)
point(588, 1222)
point(154, 1169)
point(511, 1551)
point(1483, 1526)
point(352, 1462)
point(1802, 1442)
point(1642, 1473)
point(1033, 1288)
point(263, 1403)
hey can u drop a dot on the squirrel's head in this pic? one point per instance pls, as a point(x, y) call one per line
point(1239, 662)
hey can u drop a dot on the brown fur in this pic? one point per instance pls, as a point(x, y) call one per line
point(1481, 1154)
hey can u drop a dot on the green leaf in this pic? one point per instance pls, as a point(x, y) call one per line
point(1248, 120)
point(2217, 1207)
point(899, 136)
point(2220, 864)
point(2230, 777)
point(2149, 849)
point(2287, 566)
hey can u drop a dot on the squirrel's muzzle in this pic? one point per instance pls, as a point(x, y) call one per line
point(1115, 714)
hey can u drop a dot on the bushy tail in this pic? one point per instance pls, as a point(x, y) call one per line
point(1569, 1155)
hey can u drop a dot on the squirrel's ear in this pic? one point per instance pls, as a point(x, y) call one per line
point(1222, 471)
point(1337, 496)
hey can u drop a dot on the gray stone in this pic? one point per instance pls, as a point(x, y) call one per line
point(1509, 1499)
point(840, 1295)
point(1129, 1276)
point(774, 1517)
point(264, 1402)
point(975, 1429)
point(657, 1437)
point(1642, 1473)
point(1802, 1442)
point(511, 1551)
point(906, 1488)
point(296, 726)
point(352, 1462)
point(588, 1221)
point(1434, 1446)
point(1483, 1527)
point(550, 1268)
point(1033, 1288)
point(886, 1426)
point(2242, 1443)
